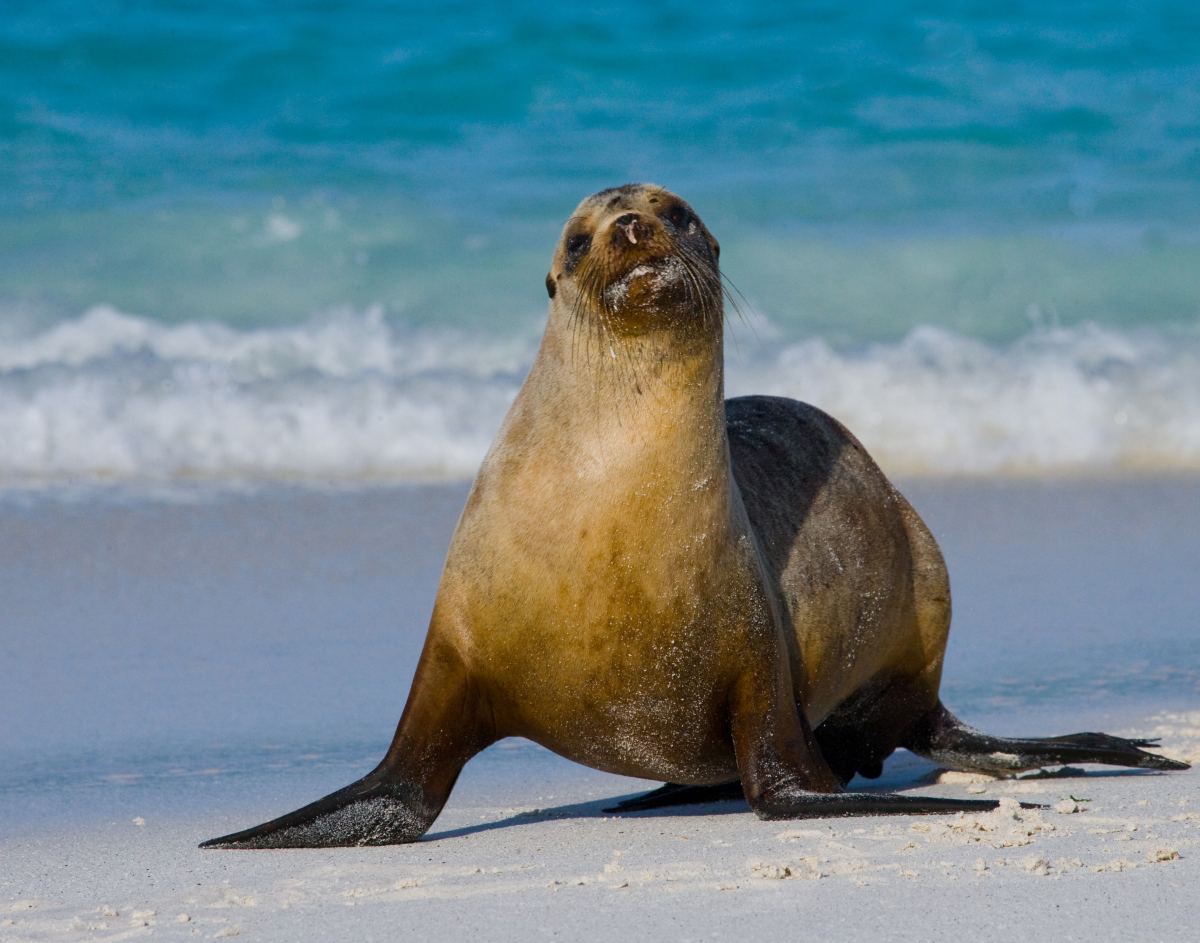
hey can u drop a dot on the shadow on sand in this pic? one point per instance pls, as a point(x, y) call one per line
point(595, 809)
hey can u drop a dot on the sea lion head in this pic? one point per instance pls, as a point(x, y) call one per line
point(637, 259)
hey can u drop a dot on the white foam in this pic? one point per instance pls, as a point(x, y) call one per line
point(1086, 398)
point(348, 397)
point(345, 396)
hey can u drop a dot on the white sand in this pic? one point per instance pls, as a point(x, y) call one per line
point(1126, 866)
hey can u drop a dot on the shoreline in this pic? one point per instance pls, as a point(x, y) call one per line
point(200, 665)
point(150, 489)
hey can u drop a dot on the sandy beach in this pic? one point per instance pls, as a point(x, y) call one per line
point(194, 661)
point(554, 866)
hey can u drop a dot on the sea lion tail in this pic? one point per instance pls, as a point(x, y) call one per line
point(373, 811)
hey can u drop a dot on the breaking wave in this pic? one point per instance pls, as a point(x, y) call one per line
point(1064, 400)
point(350, 397)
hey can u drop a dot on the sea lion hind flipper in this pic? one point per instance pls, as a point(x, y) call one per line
point(673, 794)
point(797, 804)
point(943, 738)
point(372, 811)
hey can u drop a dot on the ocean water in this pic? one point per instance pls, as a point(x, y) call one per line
point(306, 240)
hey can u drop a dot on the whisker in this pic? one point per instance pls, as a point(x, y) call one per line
point(738, 308)
point(706, 284)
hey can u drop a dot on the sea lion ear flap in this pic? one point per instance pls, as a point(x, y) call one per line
point(551, 288)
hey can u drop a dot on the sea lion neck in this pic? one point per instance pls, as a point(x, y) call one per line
point(621, 460)
point(633, 438)
point(654, 395)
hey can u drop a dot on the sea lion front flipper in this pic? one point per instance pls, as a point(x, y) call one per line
point(943, 738)
point(372, 811)
point(446, 721)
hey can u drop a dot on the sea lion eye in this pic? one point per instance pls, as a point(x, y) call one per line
point(577, 247)
point(679, 216)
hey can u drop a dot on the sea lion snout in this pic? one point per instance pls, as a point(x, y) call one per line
point(632, 227)
point(627, 239)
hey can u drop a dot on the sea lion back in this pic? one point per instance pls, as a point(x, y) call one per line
point(837, 545)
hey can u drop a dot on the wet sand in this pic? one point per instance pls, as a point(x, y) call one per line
point(184, 665)
point(554, 865)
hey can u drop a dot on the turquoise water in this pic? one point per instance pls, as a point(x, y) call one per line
point(342, 183)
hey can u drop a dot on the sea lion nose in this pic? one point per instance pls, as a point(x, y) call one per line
point(631, 227)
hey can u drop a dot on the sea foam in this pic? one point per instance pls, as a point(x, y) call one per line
point(350, 397)
point(1058, 400)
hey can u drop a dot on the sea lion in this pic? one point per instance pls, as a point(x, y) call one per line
point(650, 580)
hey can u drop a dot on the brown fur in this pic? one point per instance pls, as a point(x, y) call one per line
point(651, 581)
